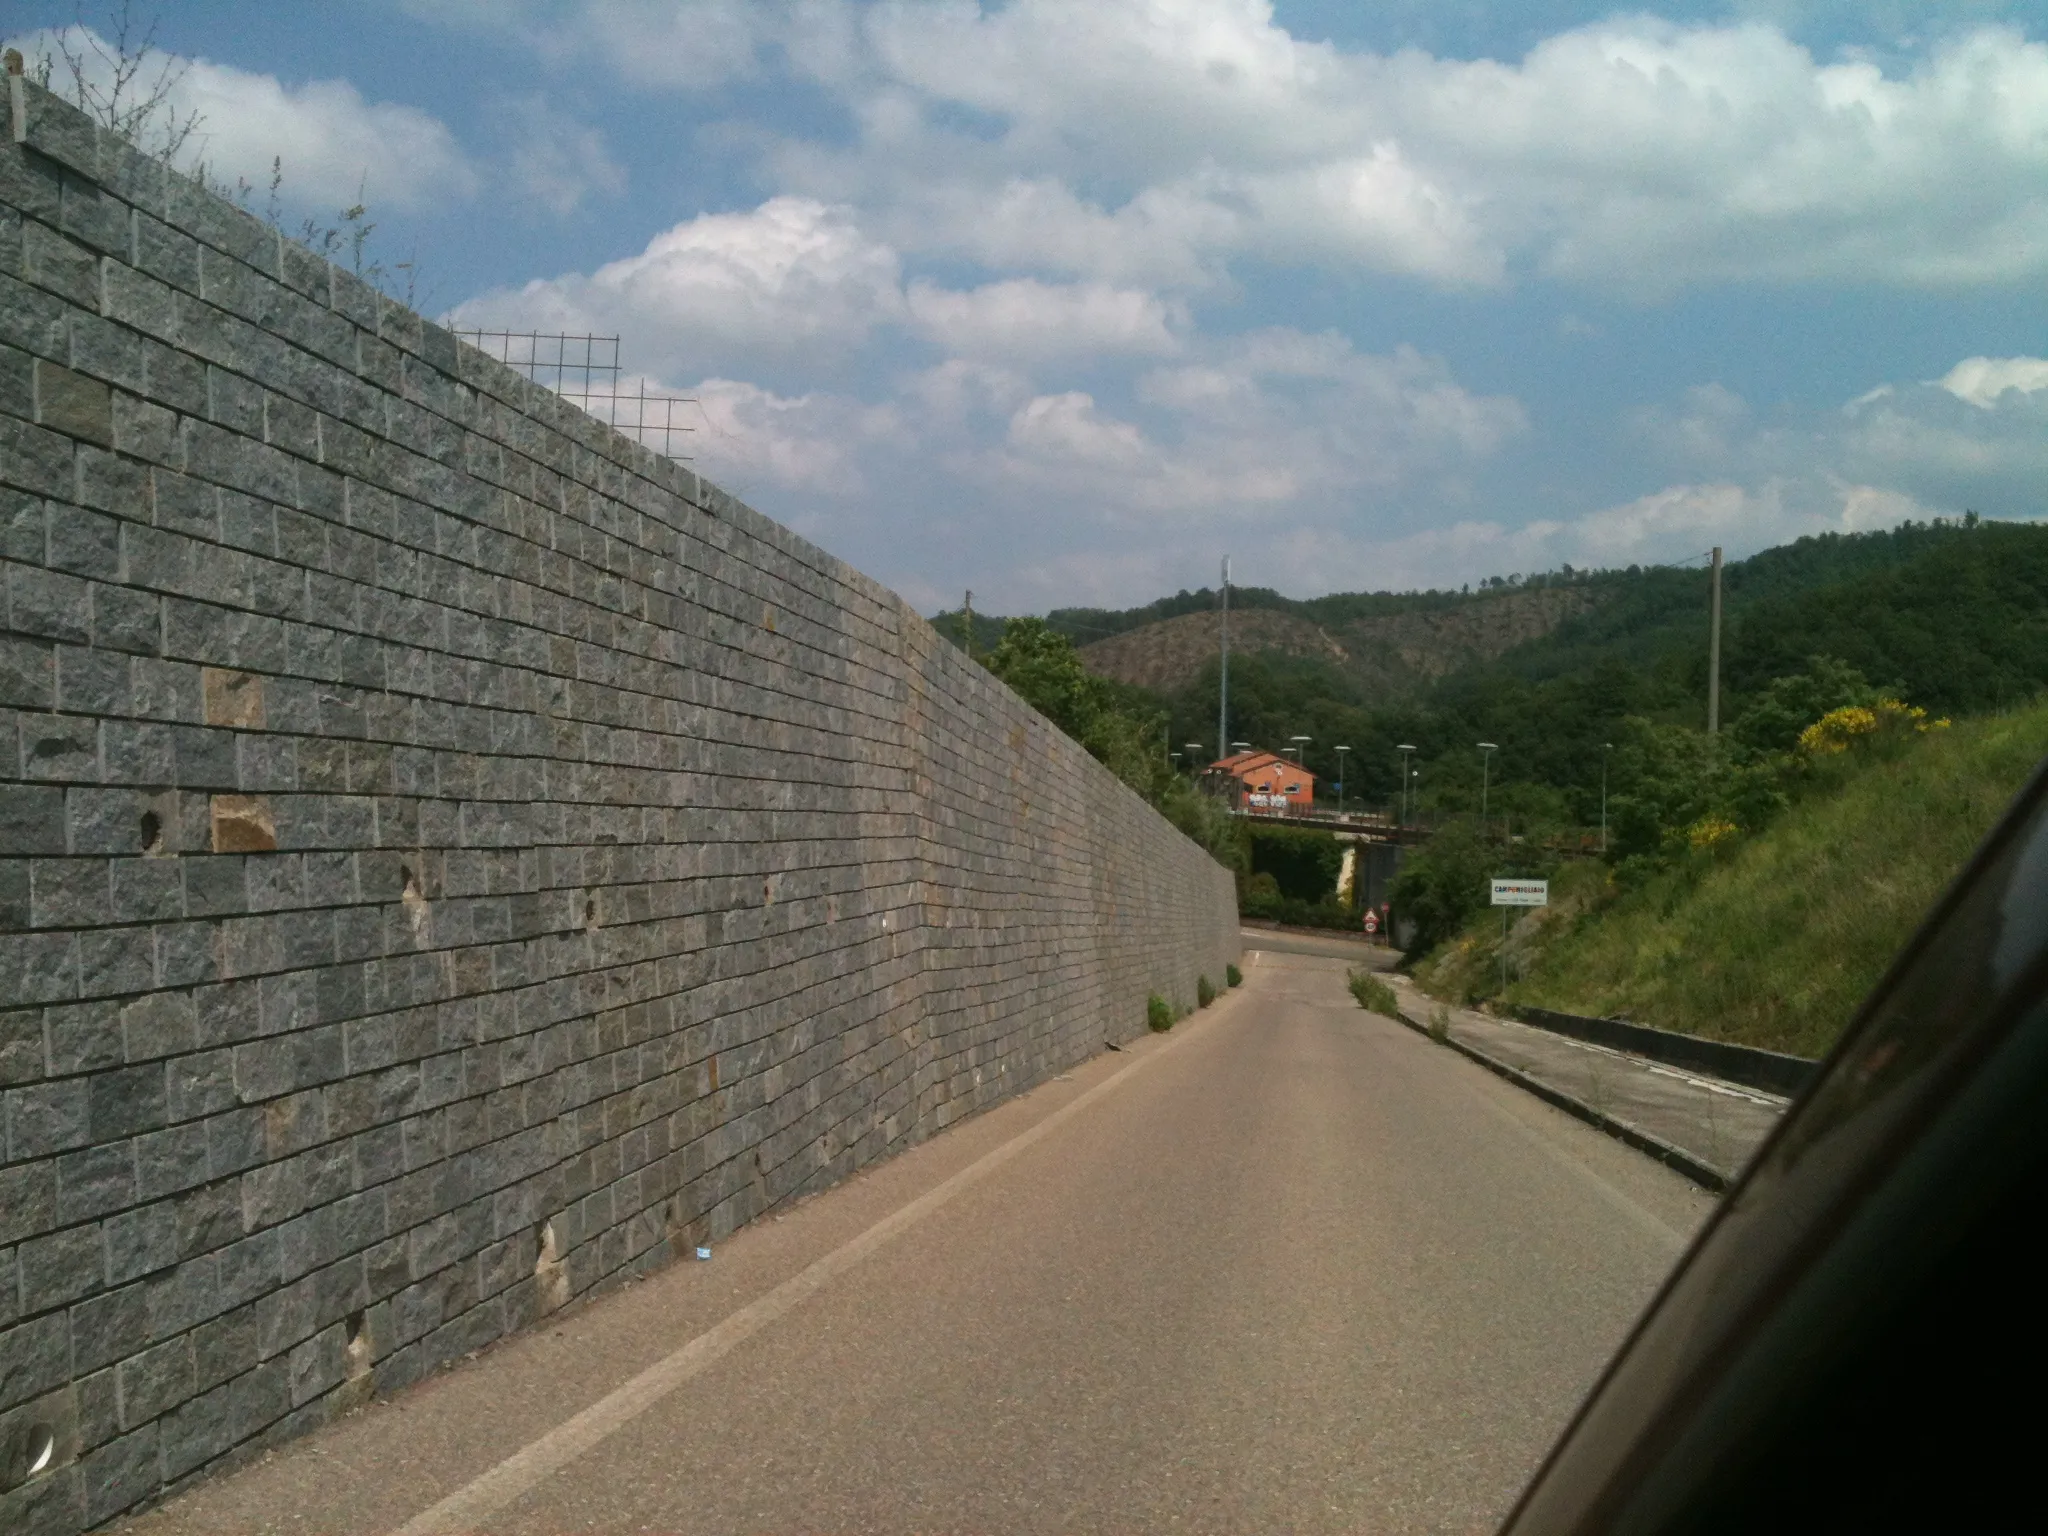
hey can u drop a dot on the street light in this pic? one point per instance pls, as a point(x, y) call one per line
point(1340, 779)
point(1240, 746)
point(1404, 749)
point(1485, 777)
point(1605, 748)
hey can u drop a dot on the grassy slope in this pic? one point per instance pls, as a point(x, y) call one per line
point(1776, 942)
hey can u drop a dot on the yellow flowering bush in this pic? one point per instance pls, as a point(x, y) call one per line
point(1834, 732)
point(1709, 832)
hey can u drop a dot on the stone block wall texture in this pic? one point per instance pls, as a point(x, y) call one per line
point(451, 858)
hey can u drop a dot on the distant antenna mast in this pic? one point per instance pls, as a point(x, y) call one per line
point(1223, 672)
point(1714, 653)
point(967, 624)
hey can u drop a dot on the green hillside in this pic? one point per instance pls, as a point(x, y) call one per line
point(1773, 939)
point(1950, 615)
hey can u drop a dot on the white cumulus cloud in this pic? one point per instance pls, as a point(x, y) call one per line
point(722, 290)
point(1981, 380)
point(1026, 318)
point(1121, 139)
point(327, 142)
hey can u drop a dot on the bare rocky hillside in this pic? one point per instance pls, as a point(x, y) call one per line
point(1391, 655)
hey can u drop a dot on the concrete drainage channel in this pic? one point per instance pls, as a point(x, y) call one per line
point(1704, 1126)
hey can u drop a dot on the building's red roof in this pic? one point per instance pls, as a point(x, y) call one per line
point(1245, 764)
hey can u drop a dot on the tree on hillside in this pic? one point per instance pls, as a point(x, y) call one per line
point(1115, 727)
point(1788, 705)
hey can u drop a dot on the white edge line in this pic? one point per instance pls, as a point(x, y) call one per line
point(499, 1486)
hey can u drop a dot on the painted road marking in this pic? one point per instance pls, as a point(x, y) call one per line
point(476, 1501)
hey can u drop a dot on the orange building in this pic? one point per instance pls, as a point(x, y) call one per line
point(1264, 781)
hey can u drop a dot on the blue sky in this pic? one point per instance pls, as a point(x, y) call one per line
point(1064, 300)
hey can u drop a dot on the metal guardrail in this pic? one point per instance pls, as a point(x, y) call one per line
point(1770, 1071)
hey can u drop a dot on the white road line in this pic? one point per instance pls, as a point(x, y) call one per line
point(477, 1500)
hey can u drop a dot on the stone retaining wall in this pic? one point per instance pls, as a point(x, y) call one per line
point(451, 857)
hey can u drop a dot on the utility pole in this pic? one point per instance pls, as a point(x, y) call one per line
point(1223, 670)
point(967, 624)
point(1714, 653)
point(1487, 749)
point(1605, 748)
point(1404, 749)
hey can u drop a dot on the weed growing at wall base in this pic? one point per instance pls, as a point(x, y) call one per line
point(1205, 992)
point(1373, 994)
point(1233, 976)
point(1159, 1014)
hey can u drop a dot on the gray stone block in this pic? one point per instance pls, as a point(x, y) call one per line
point(113, 484)
point(61, 1268)
point(22, 1058)
point(38, 967)
point(48, 604)
point(68, 893)
point(171, 1160)
point(60, 266)
point(36, 322)
point(126, 620)
point(92, 682)
point(83, 1037)
point(35, 458)
point(27, 681)
point(34, 1358)
point(140, 1242)
point(28, 1200)
point(156, 1380)
point(94, 1182)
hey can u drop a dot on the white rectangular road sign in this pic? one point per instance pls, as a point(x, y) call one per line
point(1521, 893)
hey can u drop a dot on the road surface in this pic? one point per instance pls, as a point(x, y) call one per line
point(1718, 1124)
point(1291, 1266)
point(1354, 947)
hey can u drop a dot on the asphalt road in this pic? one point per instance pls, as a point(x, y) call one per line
point(1292, 1266)
point(1340, 946)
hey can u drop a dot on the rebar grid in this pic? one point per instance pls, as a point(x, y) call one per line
point(584, 370)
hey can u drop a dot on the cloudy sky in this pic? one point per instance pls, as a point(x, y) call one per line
point(1064, 300)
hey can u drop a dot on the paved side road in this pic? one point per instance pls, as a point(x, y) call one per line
point(1291, 1266)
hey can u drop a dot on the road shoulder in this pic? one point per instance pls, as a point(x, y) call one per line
point(1705, 1128)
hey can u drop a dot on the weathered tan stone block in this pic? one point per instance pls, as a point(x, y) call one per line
point(243, 824)
point(232, 698)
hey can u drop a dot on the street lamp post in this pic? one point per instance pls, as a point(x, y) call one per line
point(1340, 779)
point(1485, 777)
point(1605, 748)
point(1194, 754)
point(1404, 749)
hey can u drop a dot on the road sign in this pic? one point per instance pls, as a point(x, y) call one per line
point(1372, 922)
point(1521, 893)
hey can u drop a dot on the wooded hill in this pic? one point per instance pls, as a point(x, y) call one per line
point(1952, 615)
